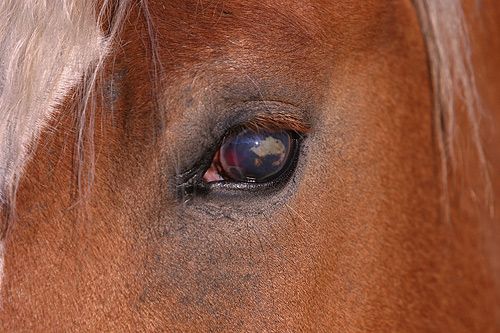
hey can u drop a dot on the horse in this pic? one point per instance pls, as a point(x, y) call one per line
point(249, 166)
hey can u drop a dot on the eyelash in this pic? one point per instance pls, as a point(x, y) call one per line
point(191, 183)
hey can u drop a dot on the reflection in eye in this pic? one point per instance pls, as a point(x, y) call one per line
point(250, 156)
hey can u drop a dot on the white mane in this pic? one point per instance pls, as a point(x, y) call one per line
point(45, 48)
point(455, 93)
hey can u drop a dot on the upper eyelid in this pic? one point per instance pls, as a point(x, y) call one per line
point(267, 114)
point(270, 115)
point(278, 121)
point(217, 123)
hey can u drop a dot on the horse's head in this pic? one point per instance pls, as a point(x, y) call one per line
point(251, 166)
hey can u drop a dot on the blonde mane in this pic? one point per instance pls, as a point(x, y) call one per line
point(45, 48)
point(455, 93)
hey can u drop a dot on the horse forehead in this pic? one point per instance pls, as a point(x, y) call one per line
point(267, 38)
point(263, 45)
point(270, 23)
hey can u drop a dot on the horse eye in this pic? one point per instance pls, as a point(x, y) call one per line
point(252, 156)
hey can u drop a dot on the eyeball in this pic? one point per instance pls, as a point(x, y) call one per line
point(252, 156)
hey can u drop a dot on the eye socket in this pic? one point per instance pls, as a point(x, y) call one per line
point(257, 156)
point(250, 156)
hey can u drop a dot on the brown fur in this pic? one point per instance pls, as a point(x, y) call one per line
point(355, 243)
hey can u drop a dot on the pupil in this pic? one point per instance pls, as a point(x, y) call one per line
point(255, 156)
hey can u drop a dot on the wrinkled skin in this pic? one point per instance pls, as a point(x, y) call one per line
point(355, 242)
